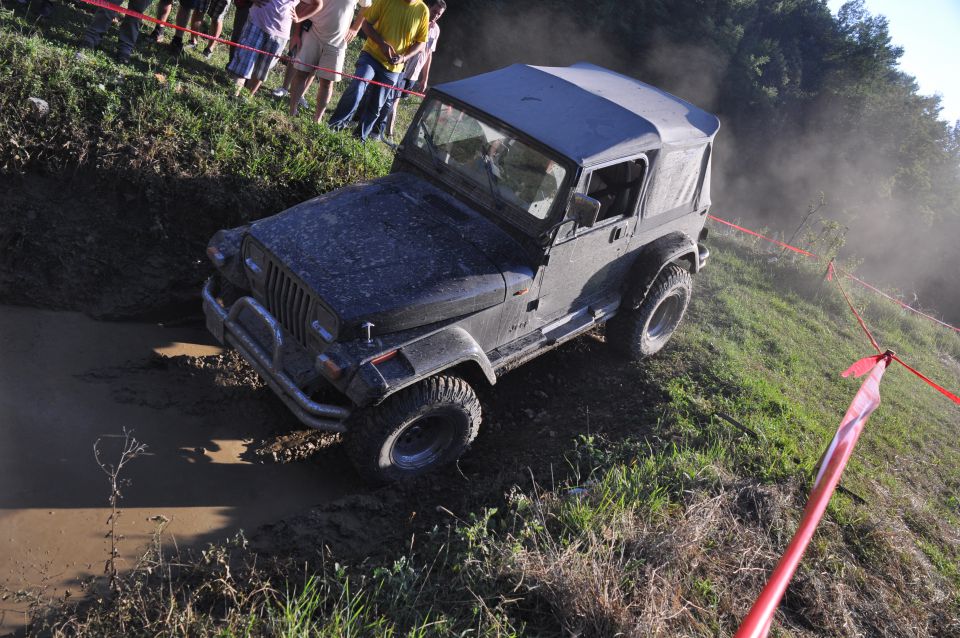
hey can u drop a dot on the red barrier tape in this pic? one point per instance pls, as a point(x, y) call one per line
point(757, 622)
point(756, 234)
point(856, 314)
point(843, 272)
point(142, 16)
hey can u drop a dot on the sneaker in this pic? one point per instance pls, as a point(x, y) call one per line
point(303, 103)
point(123, 56)
point(192, 44)
point(208, 53)
point(389, 141)
point(157, 34)
point(175, 47)
point(280, 92)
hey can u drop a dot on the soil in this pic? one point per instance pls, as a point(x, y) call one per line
point(224, 453)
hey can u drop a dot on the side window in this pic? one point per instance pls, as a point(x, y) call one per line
point(675, 180)
point(617, 188)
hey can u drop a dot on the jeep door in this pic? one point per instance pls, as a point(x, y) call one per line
point(585, 264)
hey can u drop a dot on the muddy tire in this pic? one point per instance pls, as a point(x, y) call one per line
point(643, 332)
point(417, 430)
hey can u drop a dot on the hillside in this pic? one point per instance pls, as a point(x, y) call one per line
point(600, 497)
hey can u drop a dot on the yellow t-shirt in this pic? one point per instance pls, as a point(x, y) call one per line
point(400, 24)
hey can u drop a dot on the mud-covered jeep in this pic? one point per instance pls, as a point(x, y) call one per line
point(525, 206)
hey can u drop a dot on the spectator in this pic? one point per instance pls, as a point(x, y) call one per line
point(415, 75)
point(129, 29)
point(217, 10)
point(267, 29)
point(396, 31)
point(325, 44)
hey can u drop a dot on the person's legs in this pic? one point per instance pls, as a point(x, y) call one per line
point(298, 86)
point(196, 23)
point(217, 12)
point(351, 98)
point(377, 99)
point(324, 93)
point(183, 16)
point(239, 20)
point(98, 26)
point(383, 125)
point(163, 14)
point(130, 30)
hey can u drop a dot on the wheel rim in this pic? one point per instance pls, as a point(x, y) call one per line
point(423, 442)
point(666, 317)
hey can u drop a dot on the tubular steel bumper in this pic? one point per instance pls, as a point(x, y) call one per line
point(226, 327)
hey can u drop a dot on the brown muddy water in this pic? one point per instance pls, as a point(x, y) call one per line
point(67, 380)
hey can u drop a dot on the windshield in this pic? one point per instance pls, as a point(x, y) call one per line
point(518, 177)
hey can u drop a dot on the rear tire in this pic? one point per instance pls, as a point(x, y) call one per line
point(415, 431)
point(643, 332)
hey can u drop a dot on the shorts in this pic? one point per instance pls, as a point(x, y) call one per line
point(216, 9)
point(250, 64)
point(313, 53)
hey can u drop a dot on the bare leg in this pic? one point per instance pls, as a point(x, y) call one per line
point(217, 30)
point(324, 93)
point(238, 82)
point(288, 75)
point(196, 23)
point(298, 86)
point(253, 85)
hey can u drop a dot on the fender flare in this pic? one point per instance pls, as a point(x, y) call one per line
point(448, 348)
point(651, 261)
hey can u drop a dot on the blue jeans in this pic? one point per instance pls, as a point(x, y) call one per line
point(369, 69)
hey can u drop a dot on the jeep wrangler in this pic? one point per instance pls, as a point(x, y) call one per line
point(524, 207)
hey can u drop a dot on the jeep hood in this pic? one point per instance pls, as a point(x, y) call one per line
point(396, 252)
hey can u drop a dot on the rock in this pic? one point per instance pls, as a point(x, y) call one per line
point(39, 109)
point(529, 413)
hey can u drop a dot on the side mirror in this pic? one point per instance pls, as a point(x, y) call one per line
point(584, 210)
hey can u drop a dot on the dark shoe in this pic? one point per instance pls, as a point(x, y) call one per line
point(175, 47)
point(46, 10)
point(123, 56)
point(157, 34)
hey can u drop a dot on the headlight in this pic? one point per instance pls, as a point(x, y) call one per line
point(224, 253)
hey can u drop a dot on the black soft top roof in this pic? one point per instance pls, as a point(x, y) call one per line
point(585, 112)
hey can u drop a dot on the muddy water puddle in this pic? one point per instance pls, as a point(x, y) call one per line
point(67, 381)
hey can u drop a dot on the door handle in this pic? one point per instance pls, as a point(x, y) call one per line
point(616, 234)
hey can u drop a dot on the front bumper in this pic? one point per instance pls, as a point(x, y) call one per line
point(224, 324)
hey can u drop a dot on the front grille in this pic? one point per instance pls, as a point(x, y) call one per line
point(288, 301)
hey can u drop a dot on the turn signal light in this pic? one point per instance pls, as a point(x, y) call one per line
point(386, 356)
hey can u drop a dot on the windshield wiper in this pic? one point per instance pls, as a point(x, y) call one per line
point(492, 180)
point(431, 146)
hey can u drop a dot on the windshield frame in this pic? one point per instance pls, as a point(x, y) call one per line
point(479, 193)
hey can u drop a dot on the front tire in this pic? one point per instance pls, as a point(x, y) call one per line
point(643, 332)
point(415, 431)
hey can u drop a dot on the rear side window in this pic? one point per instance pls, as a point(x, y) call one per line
point(675, 180)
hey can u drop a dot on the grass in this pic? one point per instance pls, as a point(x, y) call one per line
point(663, 518)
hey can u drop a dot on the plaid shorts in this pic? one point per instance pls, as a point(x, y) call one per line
point(250, 64)
point(216, 9)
